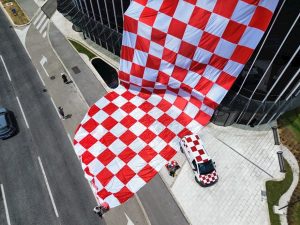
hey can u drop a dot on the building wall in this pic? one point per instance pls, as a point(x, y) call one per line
point(269, 83)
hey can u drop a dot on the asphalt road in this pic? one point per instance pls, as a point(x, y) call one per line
point(26, 193)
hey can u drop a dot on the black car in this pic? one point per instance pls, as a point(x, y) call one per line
point(7, 124)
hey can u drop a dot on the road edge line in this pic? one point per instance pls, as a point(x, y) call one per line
point(22, 111)
point(5, 68)
point(48, 187)
point(5, 205)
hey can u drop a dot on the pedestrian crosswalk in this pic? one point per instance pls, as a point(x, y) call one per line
point(40, 23)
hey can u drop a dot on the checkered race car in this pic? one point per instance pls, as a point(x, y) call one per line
point(202, 165)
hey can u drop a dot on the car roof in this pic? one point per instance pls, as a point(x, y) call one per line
point(194, 143)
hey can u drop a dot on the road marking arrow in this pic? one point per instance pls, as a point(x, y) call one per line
point(129, 221)
point(42, 62)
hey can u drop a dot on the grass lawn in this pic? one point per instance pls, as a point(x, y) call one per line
point(80, 48)
point(15, 12)
point(275, 189)
point(289, 130)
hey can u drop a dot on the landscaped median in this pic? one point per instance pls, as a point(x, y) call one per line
point(82, 49)
point(15, 12)
point(275, 189)
point(289, 130)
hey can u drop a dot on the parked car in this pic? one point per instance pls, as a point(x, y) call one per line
point(198, 158)
point(8, 126)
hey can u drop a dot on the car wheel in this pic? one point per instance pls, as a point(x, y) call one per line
point(197, 180)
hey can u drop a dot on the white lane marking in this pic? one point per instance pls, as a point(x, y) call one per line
point(42, 62)
point(37, 18)
point(5, 205)
point(5, 68)
point(44, 25)
point(22, 112)
point(129, 221)
point(40, 77)
point(41, 21)
point(44, 34)
point(55, 107)
point(70, 139)
point(48, 187)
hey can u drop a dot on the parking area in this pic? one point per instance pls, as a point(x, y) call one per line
point(245, 159)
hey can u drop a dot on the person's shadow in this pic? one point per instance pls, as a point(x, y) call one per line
point(69, 82)
point(68, 116)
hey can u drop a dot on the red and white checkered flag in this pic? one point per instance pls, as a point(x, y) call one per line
point(178, 60)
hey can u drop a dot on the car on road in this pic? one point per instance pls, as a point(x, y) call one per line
point(198, 158)
point(8, 126)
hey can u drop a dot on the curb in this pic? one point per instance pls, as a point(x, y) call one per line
point(10, 19)
point(67, 71)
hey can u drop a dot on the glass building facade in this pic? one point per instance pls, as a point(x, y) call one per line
point(269, 84)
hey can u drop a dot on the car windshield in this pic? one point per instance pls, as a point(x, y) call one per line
point(3, 122)
point(206, 168)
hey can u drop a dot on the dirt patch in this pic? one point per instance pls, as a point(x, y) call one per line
point(15, 12)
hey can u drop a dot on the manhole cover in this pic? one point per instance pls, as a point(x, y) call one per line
point(76, 70)
point(52, 77)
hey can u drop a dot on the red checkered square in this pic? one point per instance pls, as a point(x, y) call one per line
point(158, 36)
point(110, 108)
point(256, 20)
point(234, 31)
point(186, 49)
point(209, 41)
point(146, 120)
point(153, 62)
point(168, 152)
point(90, 125)
point(137, 70)
point(218, 62)
point(88, 141)
point(106, 157)
point(123, 195)
point(169, 7)
point(127, 53)
point(202, 18)
point(128, 137)
point(147, 173)
point(92, 111)
point(103, 193)
point(126, 155)
point(169, 55)
point(148, 16)
point(142, 44)
point(241, 54)
point(128, 121)
point(177, 28)
point(128, 107)
point(225, 8)
point(125, 174)
point(105, 176)
point(225, 80)
point(87, 157)
point(109, 123)
point(108, 139)
point(148, 153)
point(147, 136)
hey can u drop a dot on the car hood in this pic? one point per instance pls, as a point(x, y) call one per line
point(209, 178)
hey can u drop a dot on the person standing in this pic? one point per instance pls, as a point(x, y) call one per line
point(61, 112)
point(64, 78)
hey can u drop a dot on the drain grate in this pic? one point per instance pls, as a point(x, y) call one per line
point(76, 70)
